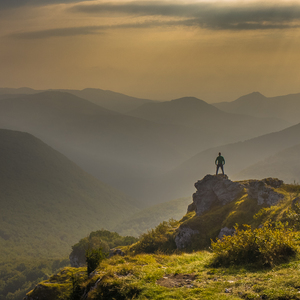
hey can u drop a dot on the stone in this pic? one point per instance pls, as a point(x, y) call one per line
point(215, 190)
point(225, 231)
point(184, 236)
point(263, 192)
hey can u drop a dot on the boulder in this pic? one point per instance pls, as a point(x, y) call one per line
point(214, 189)
point(184, 237)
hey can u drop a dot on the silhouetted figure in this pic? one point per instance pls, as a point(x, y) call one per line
point(220, 162)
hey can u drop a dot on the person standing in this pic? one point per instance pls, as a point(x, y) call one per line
point(220, 162)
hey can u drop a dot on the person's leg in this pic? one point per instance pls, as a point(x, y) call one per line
point(222, 168)
point(217, 169)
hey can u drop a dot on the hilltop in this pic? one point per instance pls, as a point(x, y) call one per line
point(148, 272)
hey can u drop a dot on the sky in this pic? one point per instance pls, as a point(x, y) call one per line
point(162, 50)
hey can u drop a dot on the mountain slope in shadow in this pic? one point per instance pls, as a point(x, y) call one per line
point(47, 201)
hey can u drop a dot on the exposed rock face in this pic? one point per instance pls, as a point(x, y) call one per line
point(183, 237)
point(215, 189)
point(226, 232)
point(219, 190)
point(263, 191)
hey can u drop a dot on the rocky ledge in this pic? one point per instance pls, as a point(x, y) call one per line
point(219, 190)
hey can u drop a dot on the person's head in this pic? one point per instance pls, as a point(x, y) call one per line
point(219, 153)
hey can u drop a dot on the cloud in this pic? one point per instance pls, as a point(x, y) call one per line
point(87, 30)
point(58, 32)
point(18, 3)
point(232, 16)
point(217, 16)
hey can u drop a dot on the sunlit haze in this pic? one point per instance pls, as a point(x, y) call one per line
point(213, 50)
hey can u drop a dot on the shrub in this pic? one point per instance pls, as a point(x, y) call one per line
point(93, 258)
point(263, 246)
point(292, 216)
point(159, 239)
point(100, 238)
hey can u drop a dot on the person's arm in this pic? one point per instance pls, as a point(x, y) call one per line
point(223, 161)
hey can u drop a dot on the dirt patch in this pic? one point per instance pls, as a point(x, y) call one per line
point(177, 280)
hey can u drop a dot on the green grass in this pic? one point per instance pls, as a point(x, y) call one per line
point(135, 277)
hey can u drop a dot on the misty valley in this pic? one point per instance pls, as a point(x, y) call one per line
point(91, 168)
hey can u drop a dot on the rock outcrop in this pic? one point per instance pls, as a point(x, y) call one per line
point(218, 191)
point(221, 190)
point(225, 231)
point(214, 190)
point(184, 237)
point(263, 190)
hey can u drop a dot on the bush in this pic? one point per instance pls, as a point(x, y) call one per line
point(159, 239)
point(100, 239)
point(263, 246)
point(93, 258)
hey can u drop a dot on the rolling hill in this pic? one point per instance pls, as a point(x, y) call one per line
point(48, 202)
point(129, 152)
point(105, 98)
point(255, 104)
point(110, 100)
point(118, 149)
point(211, 122)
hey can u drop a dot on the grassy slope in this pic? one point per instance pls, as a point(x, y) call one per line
point(149, 218)
point(135, 276)
point(47, 202)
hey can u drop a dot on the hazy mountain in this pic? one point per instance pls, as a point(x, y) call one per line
point(19, 91)
point(238, 156)
point(255, 104)
point(119, 149)
point(48, 202)
point(211, 122)
point(150, 217)
point(105, 98)
point(110, 100)
point(284, 165)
